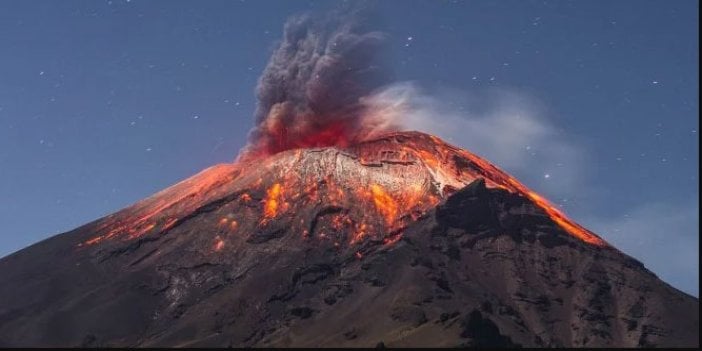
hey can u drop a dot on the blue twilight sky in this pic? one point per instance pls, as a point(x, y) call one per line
point(592, 103)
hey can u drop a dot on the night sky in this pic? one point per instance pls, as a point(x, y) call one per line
point(591, 103)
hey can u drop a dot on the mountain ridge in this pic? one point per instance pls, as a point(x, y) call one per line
point(402, 240)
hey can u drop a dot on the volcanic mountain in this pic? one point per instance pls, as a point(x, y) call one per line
point(403, 240)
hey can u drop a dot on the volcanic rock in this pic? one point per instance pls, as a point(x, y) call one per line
point(399, 241)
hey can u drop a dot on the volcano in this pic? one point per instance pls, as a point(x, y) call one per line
point(402, 240)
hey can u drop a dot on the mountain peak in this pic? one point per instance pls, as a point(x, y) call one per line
point(379, 185)
point(403, 240)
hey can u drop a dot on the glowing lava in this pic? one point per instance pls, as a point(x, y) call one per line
point(371, 190)
point(162, 211)
point(384, 203)
point(270, 208)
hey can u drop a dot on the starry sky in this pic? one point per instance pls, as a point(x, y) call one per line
point(592, 103)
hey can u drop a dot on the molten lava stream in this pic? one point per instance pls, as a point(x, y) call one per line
point(507, 182)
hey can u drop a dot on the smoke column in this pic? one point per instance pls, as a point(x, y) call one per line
point(312, 90)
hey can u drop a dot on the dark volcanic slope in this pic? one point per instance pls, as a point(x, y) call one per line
point(382, 242)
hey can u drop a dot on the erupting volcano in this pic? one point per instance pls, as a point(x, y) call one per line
point(335, 228)
point(402, 239)
point(371, 190)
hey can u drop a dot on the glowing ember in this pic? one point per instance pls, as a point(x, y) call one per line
point(169, 223)
point(219, 244)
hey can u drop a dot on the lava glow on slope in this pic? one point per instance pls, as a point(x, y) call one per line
point(163, 210)
point(368, 191)
point(270, 208)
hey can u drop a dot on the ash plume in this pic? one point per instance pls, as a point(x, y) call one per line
point(310, 93)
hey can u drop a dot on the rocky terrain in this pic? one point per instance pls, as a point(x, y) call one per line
point(399, 241)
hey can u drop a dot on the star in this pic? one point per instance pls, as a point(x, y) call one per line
point(409, 40)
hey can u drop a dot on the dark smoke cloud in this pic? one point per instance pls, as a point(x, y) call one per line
point(310, 93)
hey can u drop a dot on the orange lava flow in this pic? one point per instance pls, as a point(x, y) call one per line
point(435, 155)
point(565, 223)
point(154, 213)
point(385, 204)
point(505, 181)
point(371, 190)
point(270, 208)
